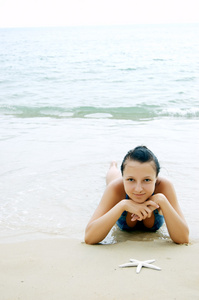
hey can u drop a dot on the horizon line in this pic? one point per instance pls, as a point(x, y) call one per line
point(93, 25)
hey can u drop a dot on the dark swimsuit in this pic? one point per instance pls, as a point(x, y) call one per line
point(159, 220)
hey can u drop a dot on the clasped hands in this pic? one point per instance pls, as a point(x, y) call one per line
point(141, 211)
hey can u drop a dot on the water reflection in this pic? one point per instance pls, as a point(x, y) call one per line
point(117, 236)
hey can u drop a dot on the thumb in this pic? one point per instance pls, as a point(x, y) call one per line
point(134, 217)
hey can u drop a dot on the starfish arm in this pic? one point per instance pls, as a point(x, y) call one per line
point(149, 261)
point(145, 261)
point(128, 265)
point(150, 266)
point(139, 267)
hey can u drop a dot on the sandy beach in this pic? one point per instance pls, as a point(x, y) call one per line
point(69, 269)
point(73, 99)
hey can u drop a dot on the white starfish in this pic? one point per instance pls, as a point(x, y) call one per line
point(139, 264)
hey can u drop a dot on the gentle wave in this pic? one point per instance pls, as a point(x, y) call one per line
point(139, 112)
point(192, 78)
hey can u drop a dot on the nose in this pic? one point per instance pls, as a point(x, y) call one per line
point(138, 187)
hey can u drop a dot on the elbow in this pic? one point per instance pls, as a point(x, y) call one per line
point(88, 239)
point(88, 242)
point(183, 239)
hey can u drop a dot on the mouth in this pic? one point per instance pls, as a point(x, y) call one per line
point(140, 198)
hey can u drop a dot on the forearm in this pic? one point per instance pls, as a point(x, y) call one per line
point(176, 225)
point(98, 229)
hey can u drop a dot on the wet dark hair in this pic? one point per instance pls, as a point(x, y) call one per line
point(141, 154)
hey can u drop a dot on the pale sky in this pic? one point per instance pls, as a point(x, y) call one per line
point(35, 13)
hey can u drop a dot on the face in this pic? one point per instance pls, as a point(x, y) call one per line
point(139, 180)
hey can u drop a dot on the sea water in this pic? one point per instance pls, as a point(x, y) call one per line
point(72, 100)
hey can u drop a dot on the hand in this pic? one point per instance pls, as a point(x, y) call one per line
point(140, 211)
point(158, 199)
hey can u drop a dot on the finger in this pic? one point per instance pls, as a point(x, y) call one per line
point(151, 203)
point(148, 212)
point(144, 214)
point(149, 215)
point(134, 218)
point(152, 208)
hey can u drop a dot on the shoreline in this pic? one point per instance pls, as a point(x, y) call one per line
point(60, 268)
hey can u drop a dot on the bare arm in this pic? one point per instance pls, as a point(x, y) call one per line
point(105, 216)
point(167, 200)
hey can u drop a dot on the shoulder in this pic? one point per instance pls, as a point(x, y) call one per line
point(163, 183)
point(164, 186)
point(113, 194)
point(117, 187)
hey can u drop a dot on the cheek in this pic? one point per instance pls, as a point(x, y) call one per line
point(151, 188)
point(127, 186)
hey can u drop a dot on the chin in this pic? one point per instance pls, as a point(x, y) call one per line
point(139, 201)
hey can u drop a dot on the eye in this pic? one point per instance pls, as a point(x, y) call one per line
point(147, 180)
point(130, 179)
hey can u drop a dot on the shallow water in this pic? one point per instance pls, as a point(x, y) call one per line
point(74, 99)
point(53, 173)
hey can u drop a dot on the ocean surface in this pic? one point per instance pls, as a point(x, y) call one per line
point(72, 100)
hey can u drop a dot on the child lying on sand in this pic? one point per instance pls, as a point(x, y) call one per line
point(137, 199)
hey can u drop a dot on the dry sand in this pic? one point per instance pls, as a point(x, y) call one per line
point(64, 269)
